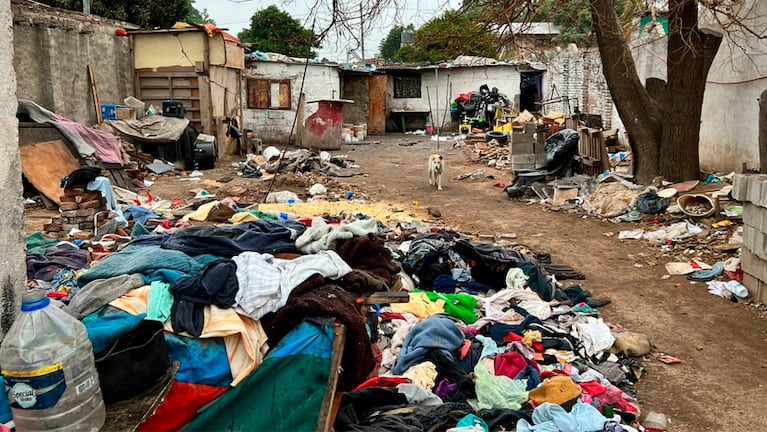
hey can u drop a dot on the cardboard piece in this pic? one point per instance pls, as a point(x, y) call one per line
point(45, 163)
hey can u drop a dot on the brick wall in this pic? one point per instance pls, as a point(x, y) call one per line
point(579, 76)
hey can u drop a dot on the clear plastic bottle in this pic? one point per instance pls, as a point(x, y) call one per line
point(50, 374)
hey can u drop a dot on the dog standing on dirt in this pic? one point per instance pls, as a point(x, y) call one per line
point(436, 166)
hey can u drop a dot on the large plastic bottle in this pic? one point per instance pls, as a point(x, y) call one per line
point(50, 374)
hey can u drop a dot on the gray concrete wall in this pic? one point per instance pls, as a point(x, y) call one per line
point(12, 262)
point(273, 126)
point(52, 51)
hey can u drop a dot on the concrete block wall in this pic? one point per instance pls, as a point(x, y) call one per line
point(752, 190)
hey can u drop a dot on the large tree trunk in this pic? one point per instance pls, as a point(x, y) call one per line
point(690, 54)
point(640, 113)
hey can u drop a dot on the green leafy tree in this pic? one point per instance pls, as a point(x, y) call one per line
point(144, 13)
point(446, 37)
point(389, 49)
point(197, 16)
point(573, 18)
point(273, 30)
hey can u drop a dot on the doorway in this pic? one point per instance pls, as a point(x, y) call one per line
point(530, 91)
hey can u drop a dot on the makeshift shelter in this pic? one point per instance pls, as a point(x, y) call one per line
point(197, 65)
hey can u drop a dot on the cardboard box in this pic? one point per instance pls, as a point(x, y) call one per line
point(126, 113)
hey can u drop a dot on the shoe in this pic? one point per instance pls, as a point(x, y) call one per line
point(595, 303)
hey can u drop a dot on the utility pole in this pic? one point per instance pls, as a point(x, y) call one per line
point(87, 7)
point(362, 32)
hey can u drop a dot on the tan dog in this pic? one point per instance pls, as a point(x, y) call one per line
point(436, 166)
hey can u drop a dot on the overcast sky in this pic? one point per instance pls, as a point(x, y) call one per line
point(235, 15)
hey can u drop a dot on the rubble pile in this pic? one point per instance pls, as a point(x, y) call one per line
point(81, 212)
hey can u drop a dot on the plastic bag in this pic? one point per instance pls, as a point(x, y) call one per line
point(497, 392)
point(651, 203)
point(560, 150)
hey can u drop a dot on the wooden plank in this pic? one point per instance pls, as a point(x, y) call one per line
point(44, 175)
point(95, 94)
point(387, 298)
point(300, 113)
point(328, 409)
point(284, 101)
point(377, 88)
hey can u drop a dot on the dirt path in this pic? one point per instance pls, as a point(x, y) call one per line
point(720, 386)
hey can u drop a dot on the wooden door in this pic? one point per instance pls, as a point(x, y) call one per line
point(377, 104)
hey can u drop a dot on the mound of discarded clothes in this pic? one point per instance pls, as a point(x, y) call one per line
point(488, 338)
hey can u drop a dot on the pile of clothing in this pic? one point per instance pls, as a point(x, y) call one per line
point(489, 339)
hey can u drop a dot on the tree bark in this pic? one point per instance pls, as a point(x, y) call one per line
point(640, 113)
point(690, 54)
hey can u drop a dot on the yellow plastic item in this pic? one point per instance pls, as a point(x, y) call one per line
point(507, 127)
point(722, 224)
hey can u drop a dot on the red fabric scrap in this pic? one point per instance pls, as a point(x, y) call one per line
point(180, 406)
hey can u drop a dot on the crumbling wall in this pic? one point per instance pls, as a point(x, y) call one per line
point(12, 263)
point(273, 126)
point(53, 48)
point(578, 75)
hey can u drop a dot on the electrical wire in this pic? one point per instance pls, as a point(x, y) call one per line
point(293, 126)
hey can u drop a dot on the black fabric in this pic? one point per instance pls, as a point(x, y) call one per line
point(45, 267)
point(472, 357)
point(134, 363)
point(445, 416)
point(80, 177)
point(216, 285)
point(228, 241)
point(454, 373)
point(427, 259)
point(503, 419)
point(537, 280)
point(651, 203)
point(362, 402)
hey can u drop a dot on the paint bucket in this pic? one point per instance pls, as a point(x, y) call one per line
point(361, 131)
point(429, 128)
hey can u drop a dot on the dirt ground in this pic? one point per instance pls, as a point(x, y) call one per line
point(720, 384)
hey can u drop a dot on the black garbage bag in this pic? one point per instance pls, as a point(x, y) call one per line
point(560, 150)
point(651, 203)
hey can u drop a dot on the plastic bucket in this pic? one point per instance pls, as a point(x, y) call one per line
point(361, 131)
point(429, 129)
point(697, 205)
point(137, 104)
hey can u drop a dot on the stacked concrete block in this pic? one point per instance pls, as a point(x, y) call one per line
point(523, 148)
point(752, 190)
point(80, 210)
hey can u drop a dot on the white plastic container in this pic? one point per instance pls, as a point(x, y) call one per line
point(50, 374)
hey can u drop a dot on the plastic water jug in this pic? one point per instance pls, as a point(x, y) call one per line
point(49, 370)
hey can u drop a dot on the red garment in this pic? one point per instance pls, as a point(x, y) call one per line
point(383, 382)
point(593, 388)
point(509, 364)
point(388, 316)
point(180, 406)
point(513, 337)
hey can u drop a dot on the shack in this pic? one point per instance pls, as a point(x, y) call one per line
point(201, 66)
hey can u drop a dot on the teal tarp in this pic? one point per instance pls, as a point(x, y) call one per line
point(284, 393)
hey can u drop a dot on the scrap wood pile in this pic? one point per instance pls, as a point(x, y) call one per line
point(488, 339)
